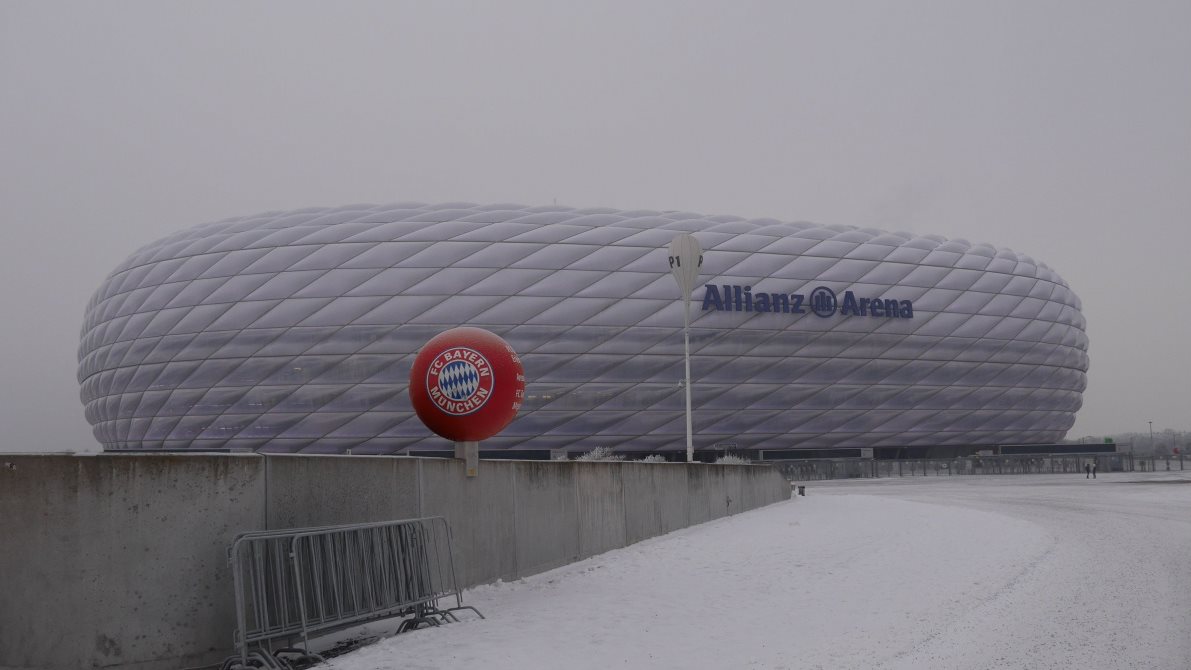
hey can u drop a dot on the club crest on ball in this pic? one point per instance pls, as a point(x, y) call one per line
point(459, 380)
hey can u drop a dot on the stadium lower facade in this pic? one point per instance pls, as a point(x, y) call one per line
point(295, 332)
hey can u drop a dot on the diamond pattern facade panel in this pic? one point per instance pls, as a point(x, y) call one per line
point(295, 332)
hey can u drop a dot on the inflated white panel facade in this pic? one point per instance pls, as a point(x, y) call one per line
point(295, 332)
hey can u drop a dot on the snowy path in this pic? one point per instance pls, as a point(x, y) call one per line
point(1115, 591)
point(964, 572)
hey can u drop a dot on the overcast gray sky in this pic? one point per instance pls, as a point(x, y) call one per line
point(1058, 129)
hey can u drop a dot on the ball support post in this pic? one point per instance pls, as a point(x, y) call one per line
point(469, 453)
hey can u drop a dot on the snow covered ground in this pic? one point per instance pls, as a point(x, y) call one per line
point(1032, 571)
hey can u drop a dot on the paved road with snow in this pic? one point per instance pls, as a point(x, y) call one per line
point(1111, 590)
point(1028, 571)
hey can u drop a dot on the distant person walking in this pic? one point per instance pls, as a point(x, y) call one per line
point(1094, 466)
point(1087, 468)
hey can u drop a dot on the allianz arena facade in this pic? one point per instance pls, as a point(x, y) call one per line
point(295, 332)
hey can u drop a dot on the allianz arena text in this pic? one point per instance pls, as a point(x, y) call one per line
point(296, 331)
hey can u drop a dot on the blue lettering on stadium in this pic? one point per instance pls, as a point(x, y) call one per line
point(821, 302)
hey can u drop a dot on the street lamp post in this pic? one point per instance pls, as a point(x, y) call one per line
point(1151, 437)
point(686, 257)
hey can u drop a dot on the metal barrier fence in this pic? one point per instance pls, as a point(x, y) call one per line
point(851, 468)
point(302, 581)
point(1160, 463)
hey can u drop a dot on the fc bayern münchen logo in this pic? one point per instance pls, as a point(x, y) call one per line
point(459, 380)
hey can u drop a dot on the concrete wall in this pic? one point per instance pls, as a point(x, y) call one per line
point(120, 560)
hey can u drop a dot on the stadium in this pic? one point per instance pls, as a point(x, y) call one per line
point(295, 332)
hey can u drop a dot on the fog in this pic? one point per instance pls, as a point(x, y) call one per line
point(1058, 129)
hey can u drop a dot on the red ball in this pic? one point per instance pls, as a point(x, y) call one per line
point(466, 384)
